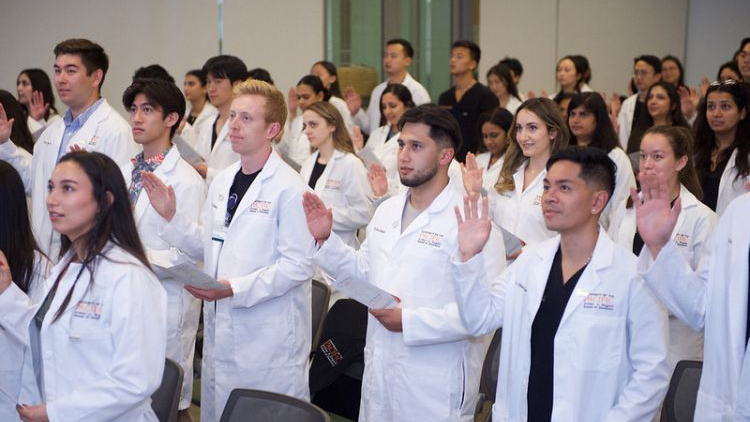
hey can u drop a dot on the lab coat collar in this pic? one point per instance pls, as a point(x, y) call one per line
point(268, 170)
point(444, 199)
point(518, 179)
point(162, 172)
point(221, 137)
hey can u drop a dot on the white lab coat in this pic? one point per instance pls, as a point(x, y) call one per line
point(260, 337)
point(104, 357)
point(520, 211)
point(294, 143)
point(690, 235)
point(713, 298)
point(513, 104)
point(491, 174)
point(371, 120)
point(610, 359)
point(430, 371)
point(624, 180)
point(625, 120)
point(221, 155)
point(36, 127)
point(105, 131)
point(204, 120)
point(343, 186)
point(343, 109)
point(14, 352)
point(729, 186)
point(183, 309)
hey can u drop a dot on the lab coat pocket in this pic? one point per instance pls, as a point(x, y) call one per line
point(436, 393)
point(261, 344)
point(599, 342)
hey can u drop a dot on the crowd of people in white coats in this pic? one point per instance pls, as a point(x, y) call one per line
point(605, 235)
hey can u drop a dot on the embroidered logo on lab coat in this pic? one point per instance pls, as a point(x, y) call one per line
point(93, 141)
point(333, 184)
point(429, 238)
point(538, 200)
point(603, 301)
point(88, 310)
point(260, 207)
point(681, 239)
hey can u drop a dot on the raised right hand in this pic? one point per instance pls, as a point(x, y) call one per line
point(353, 100)
point(472, 175)
point(6, 126)
point(160, 195)
point(319, 218)
point(378, 180)
point(474, 229)
point(292, 101)
point(37, 106)
point(358, 140)
point(654, 215)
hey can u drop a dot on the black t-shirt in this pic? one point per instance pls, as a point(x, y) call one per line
point(191, 119)
point(710, 181)
point(316, 172)
point(475, 101)
point(543, 330)
point(237, 191)
point(214, 135)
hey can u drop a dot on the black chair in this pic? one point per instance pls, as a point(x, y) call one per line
point(679, 406)
point(264, 406)
point(488, 378)
point(321, 297)
point(166, 398)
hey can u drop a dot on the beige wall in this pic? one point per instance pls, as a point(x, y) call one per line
point(179, 35)
point(608, 32)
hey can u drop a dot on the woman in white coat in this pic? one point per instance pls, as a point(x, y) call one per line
point(722, 144)
point(590, 126)
point(156, 108)
point(295, 146)
point(35, 94)
point(28, 268)
point(97, 340)
point(666, 154)
point(337, 175)
point(494, 126)
point(539, 131)
point(500, 82)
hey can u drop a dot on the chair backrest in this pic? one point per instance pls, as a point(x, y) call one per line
point(321, 295)
point(166, 398)
point(264, 406)
point(679, 405)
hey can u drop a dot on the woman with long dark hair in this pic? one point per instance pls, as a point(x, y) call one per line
point(27, 267)
point(663, 107)
point(722, 143)
point(34, 90)
point(500, 82)
point(590, 126)
point(98, 339)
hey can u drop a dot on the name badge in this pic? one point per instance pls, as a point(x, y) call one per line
point(88, 310)
point(681, 239)
point(431, 239)
point(538, 200)
point(333, 184)
point(602, 301)
point(260, 207)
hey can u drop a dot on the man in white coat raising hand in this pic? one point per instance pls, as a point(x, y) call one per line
point(420, 362)
point(583, 337)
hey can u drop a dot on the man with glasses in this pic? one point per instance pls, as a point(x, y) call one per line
point(646, 72)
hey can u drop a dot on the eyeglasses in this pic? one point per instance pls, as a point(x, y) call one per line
point(724, 82)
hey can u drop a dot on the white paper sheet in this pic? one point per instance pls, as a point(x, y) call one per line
point(512, 242)
point(186, 273)
point(364, 293)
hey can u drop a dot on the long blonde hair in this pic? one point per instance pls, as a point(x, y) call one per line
point(341, 139)
point(546, 110)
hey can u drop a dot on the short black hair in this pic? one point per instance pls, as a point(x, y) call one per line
point(650, 60)
point(596, 166)
point(226, 67)
point(162, 94)
point(514, 64)
point(92, 55)
point(260, 74)
point(198, 73)
point(474, 50)
point(153, 71)
point(444, 129)
point(408, 49)
point(744, 42)
point(316, 84)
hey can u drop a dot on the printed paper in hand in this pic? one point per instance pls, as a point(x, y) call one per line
point(186, 273)
point(365, 293)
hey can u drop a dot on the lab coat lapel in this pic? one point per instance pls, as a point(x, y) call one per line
point(254, 190)
point(221, 137)
point(687, 200)
point(86, 137)
point(600, 261)
point(162, 172)
point(538, 280)
point(320, 185)
point(437, 205)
